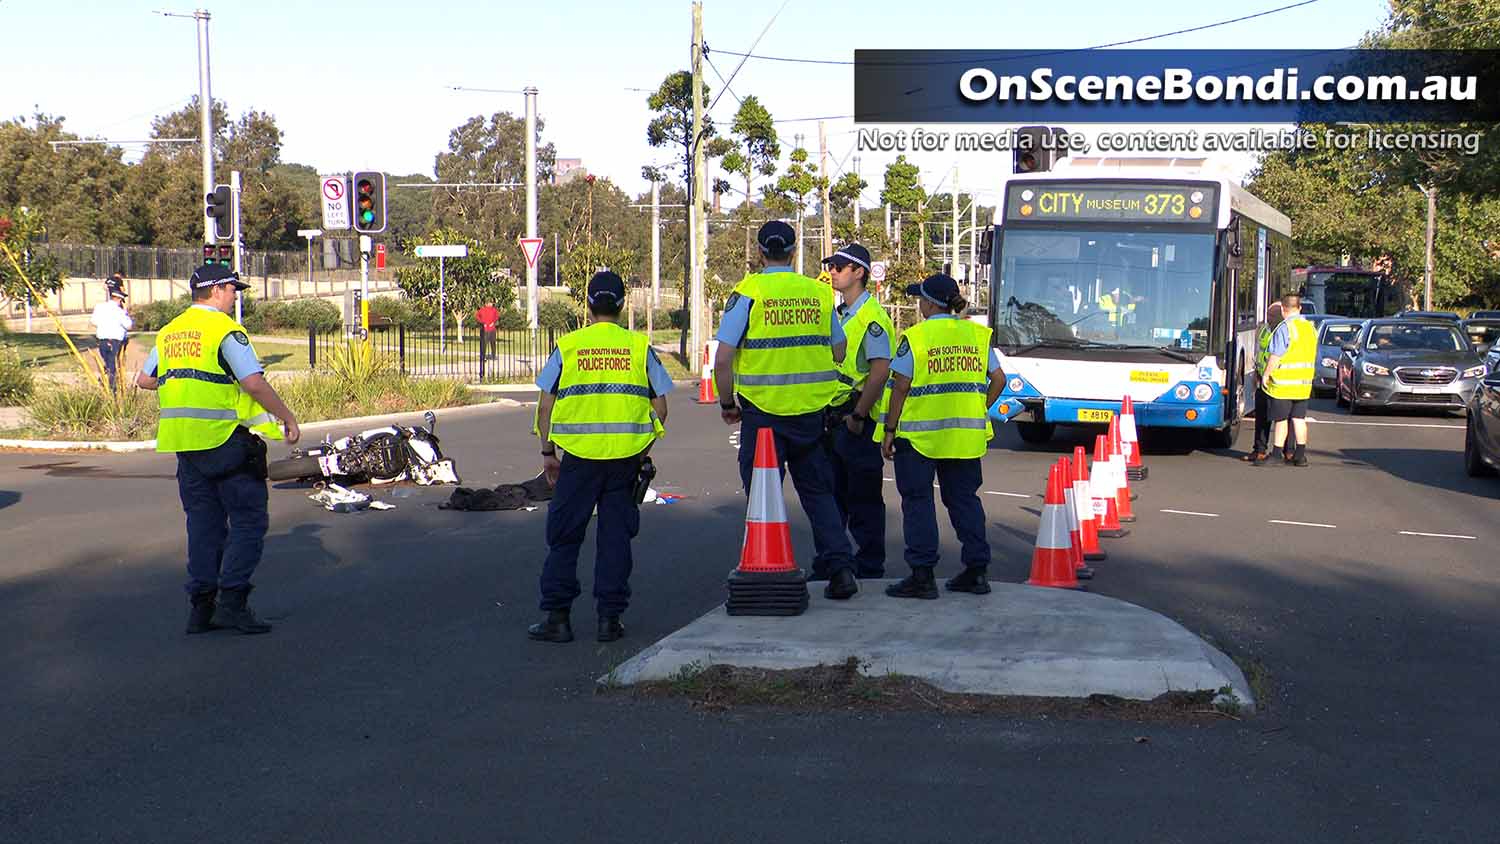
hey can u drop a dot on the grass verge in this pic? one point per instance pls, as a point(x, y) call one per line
point(719, 688)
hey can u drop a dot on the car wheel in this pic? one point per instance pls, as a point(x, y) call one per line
point(1474, 465)
point(1036, 433)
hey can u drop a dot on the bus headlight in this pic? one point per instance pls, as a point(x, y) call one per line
point(1203, 392)
point(1182, 392)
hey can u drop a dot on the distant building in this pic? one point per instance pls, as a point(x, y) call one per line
point(568, 169)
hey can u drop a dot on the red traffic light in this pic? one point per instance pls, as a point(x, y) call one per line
point(208, 253)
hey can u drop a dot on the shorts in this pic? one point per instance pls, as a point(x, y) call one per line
point(1280, 410)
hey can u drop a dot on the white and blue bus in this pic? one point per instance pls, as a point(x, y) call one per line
point(1131, 276)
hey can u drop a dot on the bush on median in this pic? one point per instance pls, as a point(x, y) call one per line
point(16, 381)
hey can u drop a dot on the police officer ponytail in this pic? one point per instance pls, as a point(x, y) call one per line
point(956, 303)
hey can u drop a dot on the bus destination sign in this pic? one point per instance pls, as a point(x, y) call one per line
point(1093, 202)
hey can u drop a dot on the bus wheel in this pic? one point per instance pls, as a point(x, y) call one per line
point(1036, 433)
point(1223, 438)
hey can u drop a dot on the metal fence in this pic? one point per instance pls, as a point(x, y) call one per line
point(492, 358)
point(143, 262)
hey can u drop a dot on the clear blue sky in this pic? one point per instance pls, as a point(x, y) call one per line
point(108, 67)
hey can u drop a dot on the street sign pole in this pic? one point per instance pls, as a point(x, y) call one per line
point(443, 251)
point(234, 232)
point(364, 285)
point(309, 234)
point(531, 311)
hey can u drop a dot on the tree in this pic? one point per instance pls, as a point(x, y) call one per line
point(489, 150)
point(903, 190)
point(76, 188)
point(21, 230)
point(588, 258)
point(792, 190)
point(758, 154)
point(468, 283)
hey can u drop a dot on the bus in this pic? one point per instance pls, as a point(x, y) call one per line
point(1348, 291)
point(1139, 277)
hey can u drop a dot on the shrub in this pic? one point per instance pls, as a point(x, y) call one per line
point(87, 412)
point(322, 395)
point(512, 320)
point(557, 313)
point(312, 313)
point(16, 381)
point(154, 315)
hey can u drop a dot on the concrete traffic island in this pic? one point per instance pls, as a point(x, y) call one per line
point(1017, 641)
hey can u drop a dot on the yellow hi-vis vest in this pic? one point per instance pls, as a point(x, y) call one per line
point(1116, 314)
point(603, 409)
point(785, 361)
point(201, 403)
point(1294, 374)
point(944, 416)
point(851, 378)
point(1263, 348)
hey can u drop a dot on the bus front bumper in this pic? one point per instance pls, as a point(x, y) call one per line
point(1149, 414)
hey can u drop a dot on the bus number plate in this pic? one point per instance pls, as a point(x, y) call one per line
point(1088, 414)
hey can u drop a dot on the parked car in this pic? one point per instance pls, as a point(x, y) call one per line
point(1400, 362)
point(1482, 431)
point(1333, 333)
point(1430, 315)
point(1482, 332)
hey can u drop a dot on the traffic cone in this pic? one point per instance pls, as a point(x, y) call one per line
point(1130, 438)
point(1052, 561)
point(767, 581)
point(1122, 494)
point(1105, 488)
point(1075, 523)
point(706, 392)
point(1088, 523)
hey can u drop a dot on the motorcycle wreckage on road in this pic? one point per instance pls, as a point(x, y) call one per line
point(383, 455)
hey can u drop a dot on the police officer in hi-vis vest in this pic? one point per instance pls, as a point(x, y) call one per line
point(603, 401)
point(779, 349)
point(213, 396)
point(944, 378)
point(854, 447)
point(1262, 444)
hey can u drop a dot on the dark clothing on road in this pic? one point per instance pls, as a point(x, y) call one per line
point(958, 482)
point(1262, 422)
point(583, 484)
point(858, 490)
point(223, 492)
point(800, 450)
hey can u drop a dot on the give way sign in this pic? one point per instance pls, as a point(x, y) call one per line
point(531, 247)
point(334, 191)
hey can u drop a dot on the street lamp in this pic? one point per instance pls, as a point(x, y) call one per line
point(205, 107)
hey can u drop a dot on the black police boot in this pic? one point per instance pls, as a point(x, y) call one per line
point(201, 615)
point(971, 580)
point(234, 611)
point(610, 628)
point(841, 586)
point(919, 584)
point(557, 628)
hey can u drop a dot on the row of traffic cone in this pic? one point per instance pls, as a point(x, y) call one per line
point(1079, 506)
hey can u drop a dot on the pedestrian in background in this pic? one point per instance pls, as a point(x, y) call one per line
point(112, 324)
point(779, 348)
point(944, 379)
point(603, 402)
point(1258, 451)
point(1289, 378)
point(488, 318)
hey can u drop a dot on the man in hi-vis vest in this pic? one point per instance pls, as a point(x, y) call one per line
point(779, 347)
point(603, 401)
point(213, 396)
point(1289, 378)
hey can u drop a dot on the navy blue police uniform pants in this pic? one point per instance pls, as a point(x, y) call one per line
point(111, 352)
point(858, 477)
point(582, 485)
point(958, 482)
point(223, 491)
point(800, 451)
point(1262, 422)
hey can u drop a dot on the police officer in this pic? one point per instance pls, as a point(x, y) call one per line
point(943, 380)
point(603, 401)
point(854, 447)
point(213, 396)
point(1258, 451)
point(1289, 377)
point(779, 346)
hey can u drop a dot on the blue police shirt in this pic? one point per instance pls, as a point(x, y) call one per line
point(236, 357)
point(905, 364)
point(737, 319)
point(656, 374)
point(870, 348)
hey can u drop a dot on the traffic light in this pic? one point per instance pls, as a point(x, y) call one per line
point(1035, 150)
point(369, 202)
point(222, 254)
point(216, 207)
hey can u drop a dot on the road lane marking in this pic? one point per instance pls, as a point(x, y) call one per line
point(1300, 524)
point(1386, 424)
point(1436, 535)
point(1006, 494)
point(1191, 513)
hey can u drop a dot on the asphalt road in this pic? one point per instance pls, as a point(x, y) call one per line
point(399, 700)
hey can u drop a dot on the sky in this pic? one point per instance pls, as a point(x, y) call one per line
point(366, 85)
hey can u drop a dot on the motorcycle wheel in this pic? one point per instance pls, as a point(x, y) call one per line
point(293, 468)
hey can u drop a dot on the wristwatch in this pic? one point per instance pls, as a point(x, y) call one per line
point(862, 417)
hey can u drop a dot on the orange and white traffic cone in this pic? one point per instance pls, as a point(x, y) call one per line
point(1052, 561)
point(767, 581)
point(1075, 523)
point(706, 392)
point(1130, 439)
point(1122, 494)
point(1105, 489)
point(1088, 523)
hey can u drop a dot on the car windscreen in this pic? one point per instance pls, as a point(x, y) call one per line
point(1338, 333)
point(1413, 337)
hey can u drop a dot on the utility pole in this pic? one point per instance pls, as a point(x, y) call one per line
point(887, 221)
point(953, 244)
point(856, 199)
point(1431, 193)
point(235, 228)
point(530, 93)
point(655, 245)
point(205, 117)
point(697, 223)
point(801, 212)
point(823, 157)
point(973, 249)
